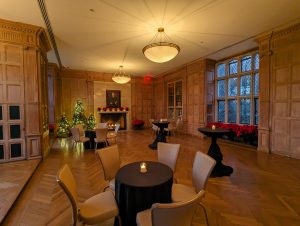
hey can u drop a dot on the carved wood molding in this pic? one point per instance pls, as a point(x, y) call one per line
point(24, 34)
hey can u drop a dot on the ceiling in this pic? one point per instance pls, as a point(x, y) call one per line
point(100, 35)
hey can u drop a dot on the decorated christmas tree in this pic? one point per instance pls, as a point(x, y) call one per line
point(63, 127)
point(91, 122)
point(78, 115)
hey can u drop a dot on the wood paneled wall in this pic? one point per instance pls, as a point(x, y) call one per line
point(75, 85)
point(197, 78)
point(279, 125)
point(142, 99)
point(23, 62)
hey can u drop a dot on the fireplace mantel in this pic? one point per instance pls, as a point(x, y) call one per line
point(113, 117)
point(112, 112)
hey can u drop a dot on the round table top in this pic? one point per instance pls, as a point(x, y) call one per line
point(161, 123)
point(213, 132)
point(157, 173)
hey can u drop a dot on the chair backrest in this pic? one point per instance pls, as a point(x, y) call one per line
point(81, 130)
point(202, 167)
point(167, 153)
point(110, 160)
point(117, 127)
point(102, 125)
point(75, 134)
point(175, 214)
point(66, 181)
point(101, 133)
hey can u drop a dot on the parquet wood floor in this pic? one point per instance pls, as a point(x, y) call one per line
point(13, 177)
point(264, 190)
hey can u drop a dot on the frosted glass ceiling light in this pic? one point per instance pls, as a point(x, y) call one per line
point(160, 50)
point(120, 76)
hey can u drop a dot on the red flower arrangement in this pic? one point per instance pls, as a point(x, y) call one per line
point(112, 109)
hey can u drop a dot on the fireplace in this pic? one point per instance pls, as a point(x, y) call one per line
point(111, 118)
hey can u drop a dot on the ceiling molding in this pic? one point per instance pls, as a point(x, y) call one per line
point(42, 6)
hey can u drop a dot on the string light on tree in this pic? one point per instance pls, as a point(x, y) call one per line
point(91, 122)
point(78, 115)
point(63, 127)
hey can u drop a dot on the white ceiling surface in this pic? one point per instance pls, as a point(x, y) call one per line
point(116, 32)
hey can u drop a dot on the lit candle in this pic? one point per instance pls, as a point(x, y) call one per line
point(213, 127)
point(143, 167)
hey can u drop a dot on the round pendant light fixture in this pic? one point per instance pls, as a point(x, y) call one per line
point(120, 76)
point(161, 49)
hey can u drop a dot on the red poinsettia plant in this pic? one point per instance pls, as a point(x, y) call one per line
point(239, 130)
point(248, 133)
point(137, 123)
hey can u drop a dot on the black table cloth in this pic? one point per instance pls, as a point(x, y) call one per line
point(91, 144)
point(214, 151)
point(161, 137)
point(136, 191)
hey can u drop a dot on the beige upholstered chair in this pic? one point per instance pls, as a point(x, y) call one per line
point(94, 210)
point(155, 128)
point(112, 135)
point(173, 214)
point(171, 127)
point(81, 130)
point(202, 167)
point(76, 138)
point(102, 125)
point(167, 153)
point(101, 134)
point(110, 161)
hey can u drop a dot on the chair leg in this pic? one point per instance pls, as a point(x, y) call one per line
point(205, 213)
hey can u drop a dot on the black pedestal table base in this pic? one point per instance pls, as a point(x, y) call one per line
point(214, 151)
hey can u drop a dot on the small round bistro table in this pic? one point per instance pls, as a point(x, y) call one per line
point(136, 191)
point(161, 134)
point(214, 151)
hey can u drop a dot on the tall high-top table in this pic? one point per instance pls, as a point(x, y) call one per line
point(161, 135)
point(215, 152)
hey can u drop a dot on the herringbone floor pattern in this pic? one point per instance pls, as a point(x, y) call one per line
point(264, 190)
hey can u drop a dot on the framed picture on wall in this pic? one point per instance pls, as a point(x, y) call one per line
point(113, 98)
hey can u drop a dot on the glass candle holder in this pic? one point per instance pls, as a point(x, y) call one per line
point(213, 127)
point(143, 167)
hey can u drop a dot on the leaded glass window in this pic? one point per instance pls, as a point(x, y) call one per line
point(256, 84)
point(231, 111)
point(256, 111)
point(256, 61)
point(221, 88)
point(245, 86)
point(221, 72)
point(246, 63)
point(245, 111)
point(232, 87)
point(237, 89)
point(221, 111)
point(233, 67)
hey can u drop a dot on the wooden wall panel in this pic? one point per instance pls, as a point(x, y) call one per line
point(197, 78)
point(21, 47)
point(280, 92)
point(142, 99)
